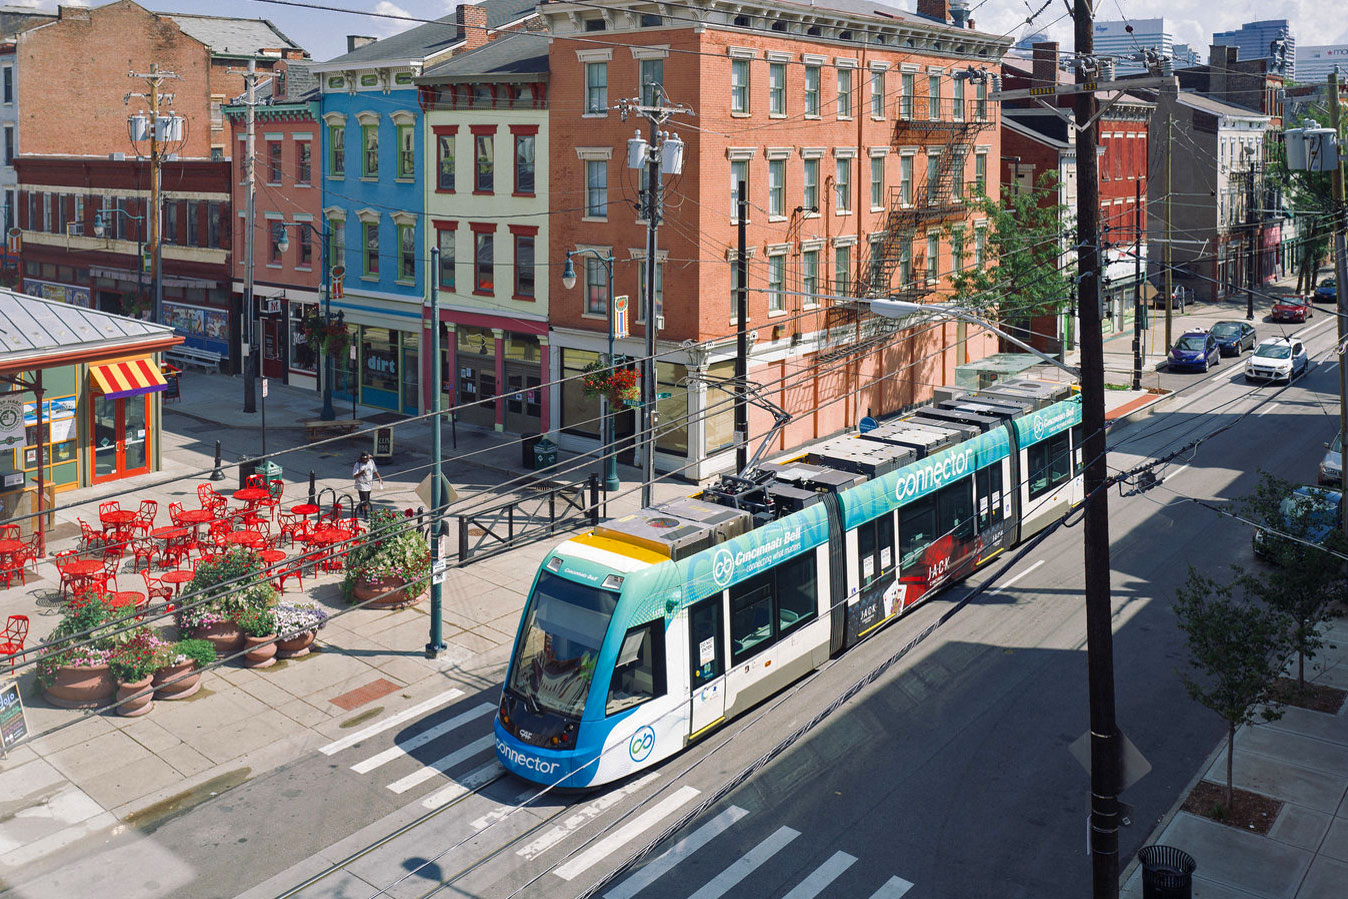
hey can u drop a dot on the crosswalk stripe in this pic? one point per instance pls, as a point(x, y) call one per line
point(747, 864)
point(822, 876)
point(582, 816)
point(676, 853)
point(893, 889)
point(464, 785)
point(414, 743)
point(626, 833)
point(442, 764)
point(501, 811)
point(392, 720)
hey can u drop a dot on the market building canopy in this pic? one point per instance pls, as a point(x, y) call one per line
point(41, 333)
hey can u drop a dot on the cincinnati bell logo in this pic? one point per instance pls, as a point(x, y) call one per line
point(722, 567)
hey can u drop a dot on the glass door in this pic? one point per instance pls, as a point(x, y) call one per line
point(121, 440)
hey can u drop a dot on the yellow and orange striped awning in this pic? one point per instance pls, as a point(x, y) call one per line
point(129, 377)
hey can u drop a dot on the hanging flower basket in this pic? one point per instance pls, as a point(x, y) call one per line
point(329, 335)
point(617, 384)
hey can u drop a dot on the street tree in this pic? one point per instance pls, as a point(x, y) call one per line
point(1300, 535)
point(1028, 260)
point(1236, 648)
point(1310, 198)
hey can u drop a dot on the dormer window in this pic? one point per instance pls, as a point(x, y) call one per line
point(845, 35)
point(651, 20)
point(779, 25)
point(813, 31)
point(741, 22)
point(595, 25)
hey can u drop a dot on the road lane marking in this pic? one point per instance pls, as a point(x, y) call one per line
point(1011, 581)
point(747, 864)
point(626, 834)
point(1175, 473)
point(392, 720)
point(465, 785)
point(443, 764)
point(893, 889)
point(495, 815)
point(406, 747)
point(1267, 409)
point(823, 875)
point(676, 853)
point(582, 816)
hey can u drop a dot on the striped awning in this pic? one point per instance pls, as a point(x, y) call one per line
point(130, 377)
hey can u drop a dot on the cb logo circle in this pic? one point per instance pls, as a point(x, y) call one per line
point(641, 744)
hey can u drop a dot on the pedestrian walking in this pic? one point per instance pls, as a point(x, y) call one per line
point(365, 474)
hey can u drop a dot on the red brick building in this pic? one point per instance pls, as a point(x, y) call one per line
point(80, 167)
point(857, 147)
point(1036, 140)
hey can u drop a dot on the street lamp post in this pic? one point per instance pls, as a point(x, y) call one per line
point(605, 413)
point(100, 228)
point(325, 364)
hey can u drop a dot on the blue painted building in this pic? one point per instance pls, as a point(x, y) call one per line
point(373, 198)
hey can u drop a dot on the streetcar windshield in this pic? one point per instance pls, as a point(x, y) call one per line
point(559, 643)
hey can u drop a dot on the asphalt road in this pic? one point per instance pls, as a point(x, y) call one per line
point(949, 776)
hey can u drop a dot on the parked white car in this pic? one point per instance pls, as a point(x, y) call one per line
point(1278, 359)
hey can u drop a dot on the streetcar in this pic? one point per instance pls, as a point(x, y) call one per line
point(648, 632)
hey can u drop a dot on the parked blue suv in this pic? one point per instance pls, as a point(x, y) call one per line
point(1327, 292)
point(1194, 349)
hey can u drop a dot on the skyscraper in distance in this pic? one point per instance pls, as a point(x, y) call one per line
point(1114, 39)
point(1255, 41)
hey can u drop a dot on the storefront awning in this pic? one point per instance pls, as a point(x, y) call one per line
point(131, 377)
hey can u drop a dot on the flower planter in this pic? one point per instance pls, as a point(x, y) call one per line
point(261, 651)
point(225, 636)
point(141, 704)
point(384, 593)
point(81, 687)
point(296, 646)
point(184, 684)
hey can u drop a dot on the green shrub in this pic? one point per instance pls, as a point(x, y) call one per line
point(395, 549)
point(200, 651)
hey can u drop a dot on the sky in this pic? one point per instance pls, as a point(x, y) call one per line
point(323, 33)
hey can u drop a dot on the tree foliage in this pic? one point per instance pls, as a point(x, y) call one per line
point(1310, 197)
point(1236, 648)
point(1026, 270)
point(1305, 578)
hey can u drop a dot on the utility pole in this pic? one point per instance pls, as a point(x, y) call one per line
point(1251, 226)
point(1340, 268)
point(662, 154)
point(1137, 284)
point(1169, 284)
point(250, 191)
point(154, 80)
point(1104, 737)
point(742, 332)
point(439, 500)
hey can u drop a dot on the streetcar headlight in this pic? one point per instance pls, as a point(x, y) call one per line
point(555, 564)
point(612, 582)
point(503, 711)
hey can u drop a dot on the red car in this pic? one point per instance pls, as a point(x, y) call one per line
point(1292, 308)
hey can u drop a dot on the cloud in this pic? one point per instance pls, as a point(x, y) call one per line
point(383, 27)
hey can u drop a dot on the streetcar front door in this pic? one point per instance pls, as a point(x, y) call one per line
point(706, 640)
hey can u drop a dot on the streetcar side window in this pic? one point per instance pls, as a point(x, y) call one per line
point(1078, 435)
point(639, 673)
point(917, 529)
point(750, 617)
point(704, 623)
point(875, 548)
point(1050, 464)
point(797, 596)
point(989, 483)
point(956, 504)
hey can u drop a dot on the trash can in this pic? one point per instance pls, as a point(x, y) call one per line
point(527, 444)
point(1167, 872)
point(270, 470)
point(545, 454)
point(245, 469)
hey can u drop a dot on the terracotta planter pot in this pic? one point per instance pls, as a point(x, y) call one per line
point(184, 684)
point(261, 651)
point(225, 637)
point(139, 706)
point(384, 593)
point(296, 646)
point(82, 687)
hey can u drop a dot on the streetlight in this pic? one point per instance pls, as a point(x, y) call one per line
point(902, 309)
point(325, 366)
point(605, 412)
point(100, 228)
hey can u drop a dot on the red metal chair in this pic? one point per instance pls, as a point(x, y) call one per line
point(16, 632)
point(255, 480)
point(10, 532)
point(155, 589)
point(144, 522)
point(143, 549)
point(175, 509)
point(72, 583)
point(91, 538)
point(32, 551)
point(13, 566)
point(110, 506)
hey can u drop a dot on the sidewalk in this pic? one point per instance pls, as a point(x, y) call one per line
point(1300, 759)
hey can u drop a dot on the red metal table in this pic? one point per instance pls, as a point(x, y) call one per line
point(328, 535)
point(177, 578)
point(305, 509)
point(252, 539)
point(123, 599)
point(272, 556)
point(10, 546)
point(169, 532)
point(196, 516)
point(118, 519)
point(82, 568)
point(251, 495)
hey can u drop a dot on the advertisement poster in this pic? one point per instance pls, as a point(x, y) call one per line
point(13, 434)
point(62, 293)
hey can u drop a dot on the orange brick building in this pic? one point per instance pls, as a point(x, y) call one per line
point(77, 165)
point(858, 147)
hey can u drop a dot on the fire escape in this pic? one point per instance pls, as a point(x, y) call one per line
point(938, 200)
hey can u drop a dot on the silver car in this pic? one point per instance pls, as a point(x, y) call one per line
point(1331, 466)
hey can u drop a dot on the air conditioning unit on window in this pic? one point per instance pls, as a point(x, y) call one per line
point(659, 323)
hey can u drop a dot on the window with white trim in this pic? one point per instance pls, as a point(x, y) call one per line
point(933, 256)
point(596, 188)
point(777, 88)
point(739, 86)
point(596, 88)
point(844, 93)
point(906, 180)
point(934, 97)
point(842, 185)
point(809, 277)
point(842, 270)
point(739, 174)
point(812, 78)
point(877, 182)
point(810, 183)
point(777, 187)
point(777, 283)
point(878, 93)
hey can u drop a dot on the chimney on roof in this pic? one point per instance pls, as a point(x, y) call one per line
point(74, 13)
point(1044, 70)
point(356, 41)
point(472, 23)
point(934, 9)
